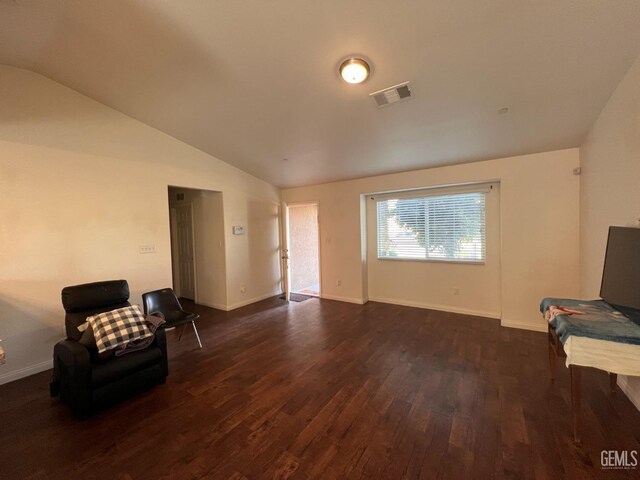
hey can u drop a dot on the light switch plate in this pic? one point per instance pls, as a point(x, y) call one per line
point(238, 229)
point(147, 249)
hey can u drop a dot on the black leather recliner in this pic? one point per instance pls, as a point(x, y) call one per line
point(87, 382)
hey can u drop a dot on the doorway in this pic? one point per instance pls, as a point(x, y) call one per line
point(303, 249)
point(198, 245)
point(186, 259)
point(184, 267)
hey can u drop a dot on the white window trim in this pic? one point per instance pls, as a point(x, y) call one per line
point(484, 187)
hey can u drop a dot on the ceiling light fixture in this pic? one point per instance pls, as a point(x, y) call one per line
point(354, 70)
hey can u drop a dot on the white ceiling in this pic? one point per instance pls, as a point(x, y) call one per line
point(255, 81)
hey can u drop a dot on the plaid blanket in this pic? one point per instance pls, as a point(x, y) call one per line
point(153, 322)
point(118, 327)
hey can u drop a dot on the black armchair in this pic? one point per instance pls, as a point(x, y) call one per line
point(166, 302)
point(84, 380)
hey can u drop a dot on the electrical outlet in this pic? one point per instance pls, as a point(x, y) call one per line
point(456, 291)
point(339, 283)
point(147, 249)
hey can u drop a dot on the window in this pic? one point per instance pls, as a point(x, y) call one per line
point(449, 227)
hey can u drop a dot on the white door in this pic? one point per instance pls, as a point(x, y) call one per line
point(186, 261)
point(285, 252)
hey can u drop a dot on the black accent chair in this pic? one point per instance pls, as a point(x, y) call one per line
point(166, 302)
point(84, 380)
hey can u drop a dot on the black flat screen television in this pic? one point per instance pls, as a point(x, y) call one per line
point(621, 275)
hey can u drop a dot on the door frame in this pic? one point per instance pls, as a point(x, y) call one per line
point(286, 241)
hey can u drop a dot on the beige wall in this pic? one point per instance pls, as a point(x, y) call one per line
point(303, 246)
point(84, 186)
point(539, 209)
point(211, 275)
point(610, 192)
point(412, 282)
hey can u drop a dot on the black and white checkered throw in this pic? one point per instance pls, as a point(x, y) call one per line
point(117, 327)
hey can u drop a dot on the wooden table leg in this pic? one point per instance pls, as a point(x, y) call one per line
point(553, 358)
point(576, 374)
point(613, 382)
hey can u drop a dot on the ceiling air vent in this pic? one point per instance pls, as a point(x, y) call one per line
point(391, 95)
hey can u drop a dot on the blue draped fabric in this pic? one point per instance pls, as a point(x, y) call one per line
point(596, 319)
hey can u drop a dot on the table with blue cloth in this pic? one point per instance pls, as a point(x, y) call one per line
point(591, 333)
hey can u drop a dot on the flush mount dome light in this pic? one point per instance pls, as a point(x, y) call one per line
point(354, 70)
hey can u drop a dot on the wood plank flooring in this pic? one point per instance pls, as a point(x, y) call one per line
point(323, 389)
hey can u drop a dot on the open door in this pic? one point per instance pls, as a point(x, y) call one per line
point(286, 272)
point(302, 249)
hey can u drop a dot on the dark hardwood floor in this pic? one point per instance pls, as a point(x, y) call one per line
point(324, 389)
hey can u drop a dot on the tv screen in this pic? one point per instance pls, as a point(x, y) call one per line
point(621, 275)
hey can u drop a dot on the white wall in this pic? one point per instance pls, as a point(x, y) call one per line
point(412, 282)
point(84, 186)
point(610, 192)
point(539, 208)
point(210, 250)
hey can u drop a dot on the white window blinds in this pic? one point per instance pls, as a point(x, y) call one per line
point(447, 227)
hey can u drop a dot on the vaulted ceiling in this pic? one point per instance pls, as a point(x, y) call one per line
point(253, 82)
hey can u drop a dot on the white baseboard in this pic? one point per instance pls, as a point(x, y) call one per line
point(244, 303)
point(25, 371)
point(535, 327)
point(633, 394)
point(217, 306)
point(441, 308)
point(359, 301)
